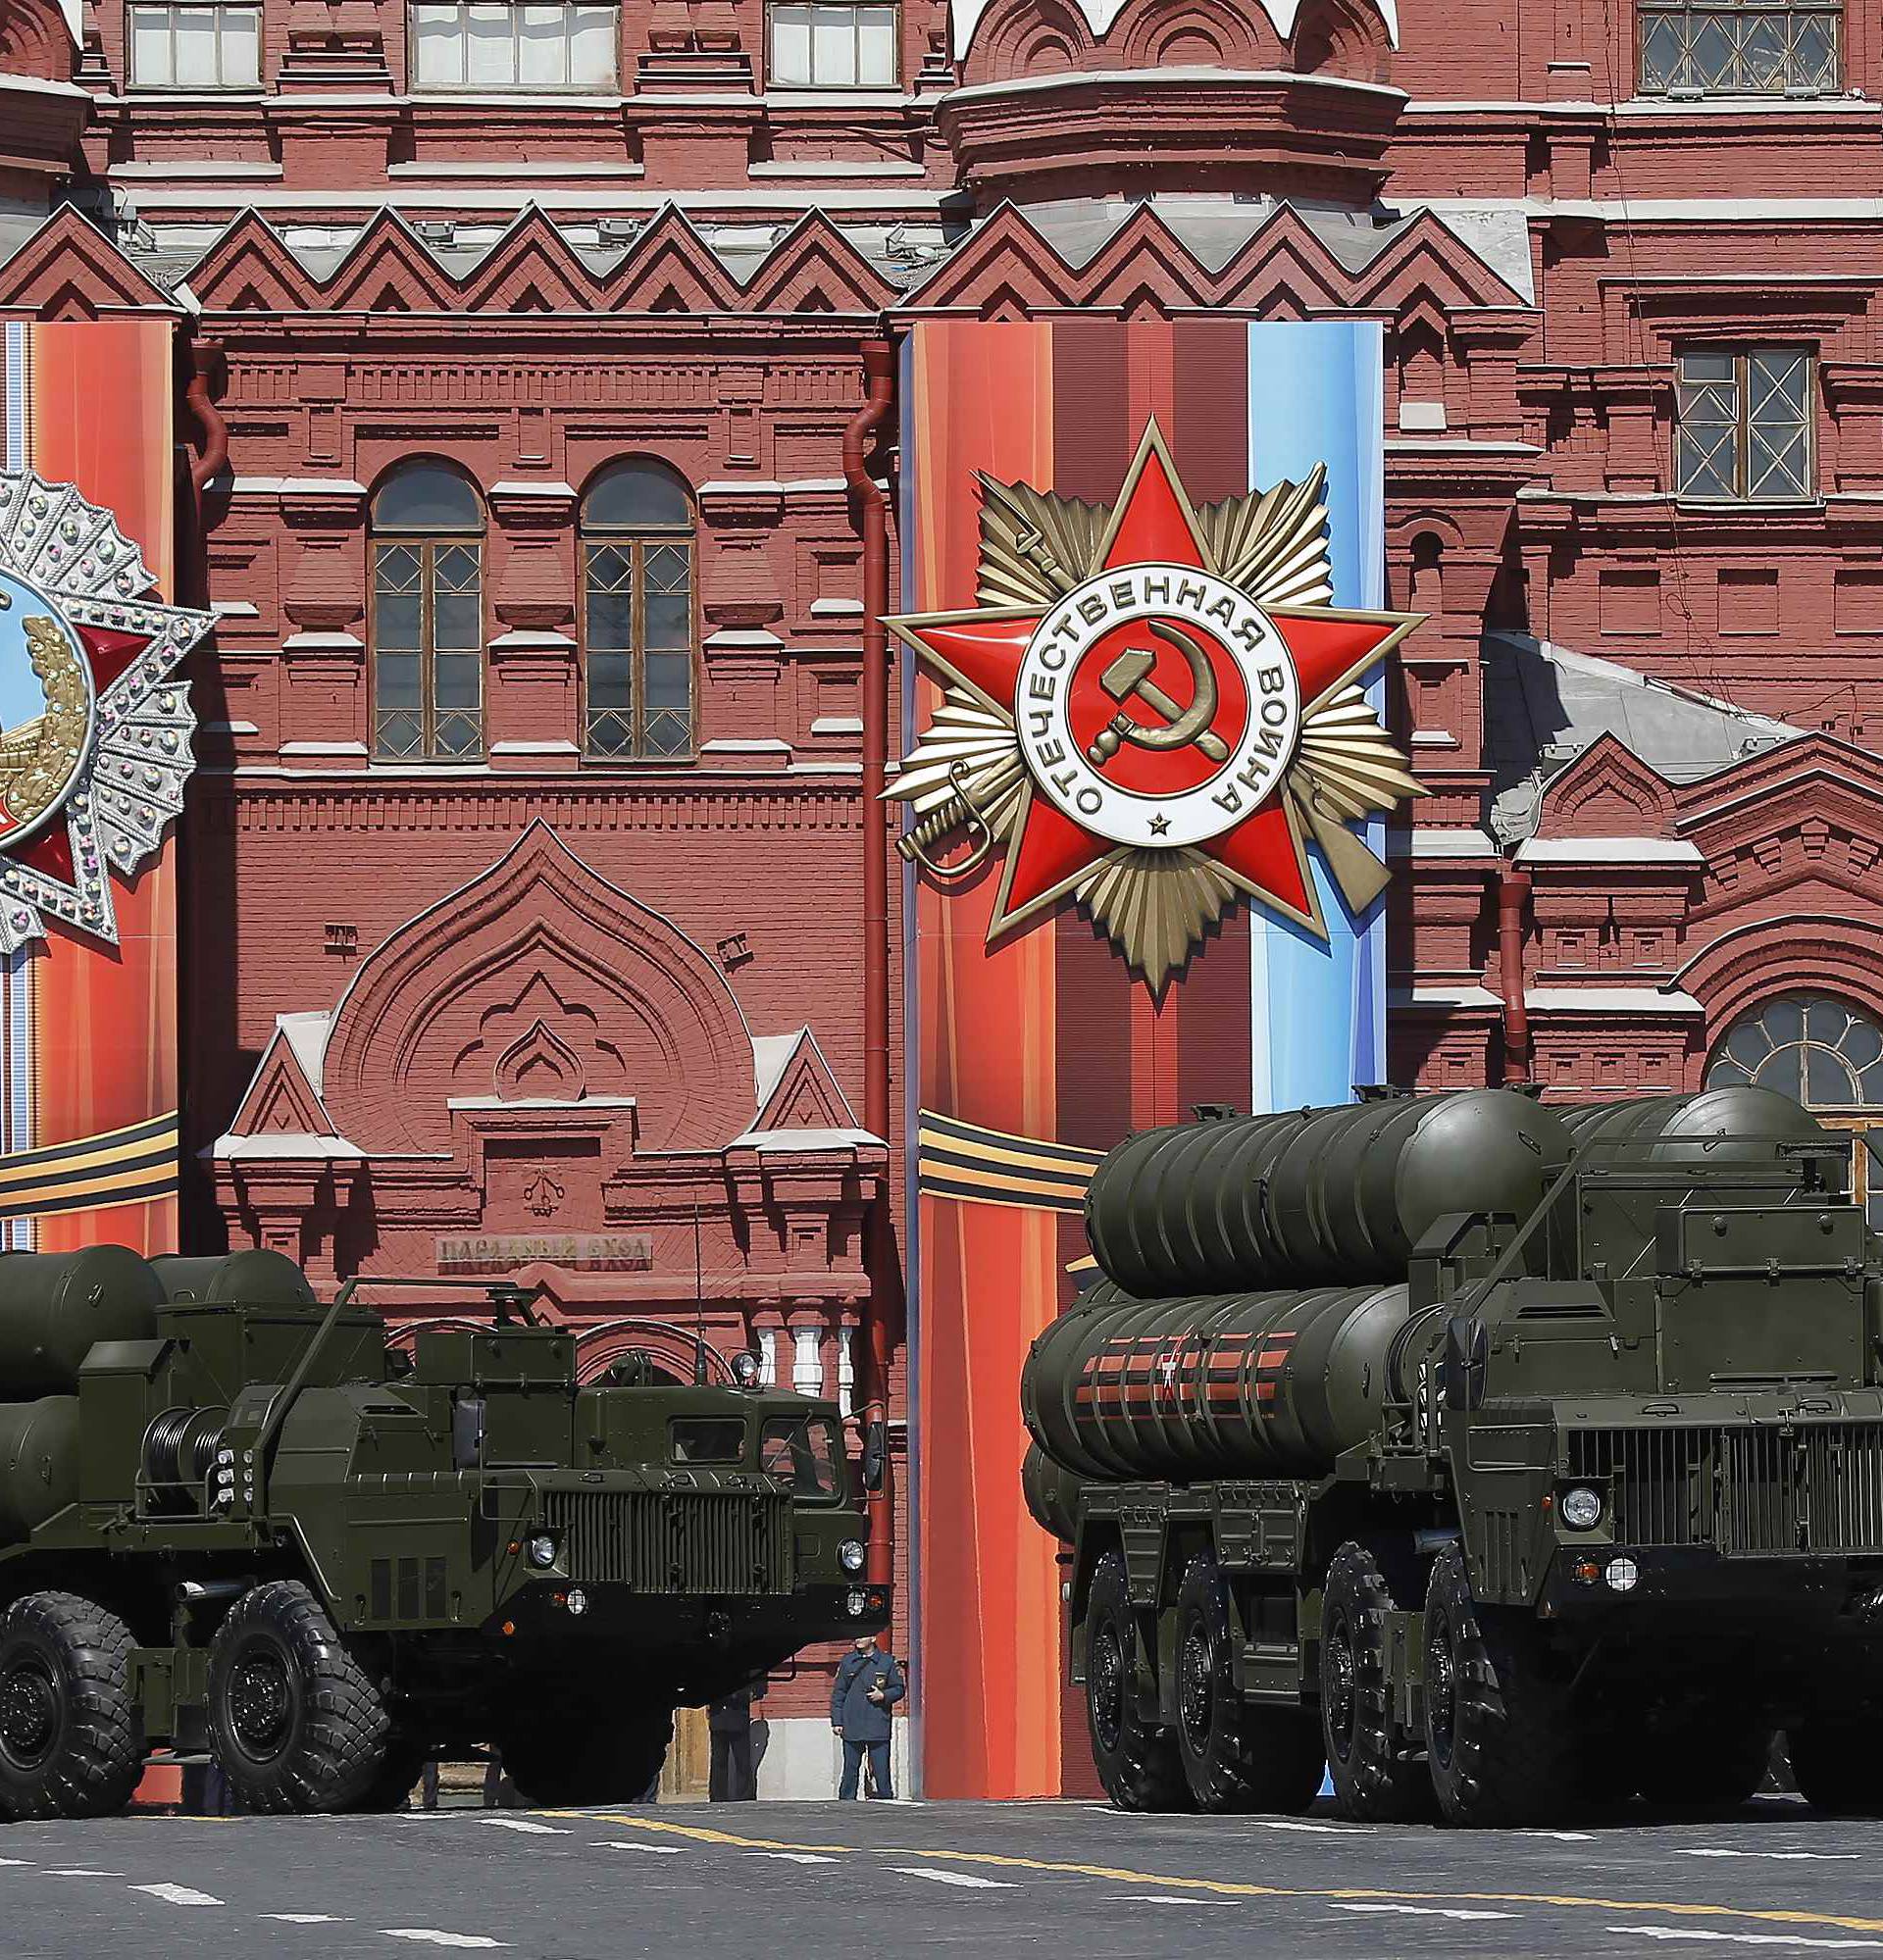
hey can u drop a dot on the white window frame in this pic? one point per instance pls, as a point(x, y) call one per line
point(801, 69)
point(222, 12)
point(491, 14)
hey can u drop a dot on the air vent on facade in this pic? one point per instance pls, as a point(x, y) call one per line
point(617, 230)
point(437, 230)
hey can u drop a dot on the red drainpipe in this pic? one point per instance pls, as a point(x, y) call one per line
point(1513, 903)
point(203, 355)
point(880, 1261)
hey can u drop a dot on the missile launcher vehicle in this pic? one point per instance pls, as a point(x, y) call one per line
point(233, 1519)
point(1506, 1460)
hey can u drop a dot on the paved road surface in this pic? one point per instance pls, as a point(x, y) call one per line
point(872, 1881)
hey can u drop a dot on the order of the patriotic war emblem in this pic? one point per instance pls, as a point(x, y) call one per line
point(1154, 708)
point(94, 720)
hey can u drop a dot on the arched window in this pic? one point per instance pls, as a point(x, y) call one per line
point(638, 614)
point(426, 628)
point(1822, 1053)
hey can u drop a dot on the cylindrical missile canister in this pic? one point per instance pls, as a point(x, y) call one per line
point(252, 1278)
point(1245, 1384)
point(1740, 1126)
point(55, 1305)
point(38, 1463)
point(1321, 1195)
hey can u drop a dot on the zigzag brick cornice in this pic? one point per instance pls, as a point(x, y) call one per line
point(1283, 268)
point(69, 269)
point(532, 271)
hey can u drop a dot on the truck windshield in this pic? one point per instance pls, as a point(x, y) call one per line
point(706, 1438)
point(804, 1449)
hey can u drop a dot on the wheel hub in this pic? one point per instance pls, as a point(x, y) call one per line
point(259, 1702)
point(28, 1711)
point(1196, 1686)
point(1341, 1700)
point(1440, 1696)
point(1105, 1686)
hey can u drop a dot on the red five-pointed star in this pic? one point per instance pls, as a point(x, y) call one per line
point(1264, 853)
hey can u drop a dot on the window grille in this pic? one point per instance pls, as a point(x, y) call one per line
point(195, 46)
point(427, 627)
point(487, 45)
point(1744, 432)
point(637, 615)
point(818, 46)
point(1740, 47)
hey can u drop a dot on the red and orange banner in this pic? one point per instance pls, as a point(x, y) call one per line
point(88, 1063)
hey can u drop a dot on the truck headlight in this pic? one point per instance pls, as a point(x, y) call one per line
point(541, 1549)
point(1581, 1508)
point(850, 1555)
point(747, 1369)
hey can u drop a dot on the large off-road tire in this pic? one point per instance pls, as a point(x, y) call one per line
point(1715, 1761)
point(1137, 1764)
point(72, 1739)
point(1234, 1757)
point(1377, 1777)
point(295, 1723)
point(1499, 1734)
point(579, 1752)
point(1836, 1763)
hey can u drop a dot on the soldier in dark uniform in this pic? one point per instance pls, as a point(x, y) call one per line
point(734, 1775)
point(869, 1683)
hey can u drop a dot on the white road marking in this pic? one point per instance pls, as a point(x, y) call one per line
point(1168, 1898)
point(1297, 1823)
point(650, 1850)
point(953, 1877)
point(1420, 1911)
point(797, 1857)
point(78, 1872)
point(434, 1937)
point(1562, 1836)
point(524, 1824)
point(1712, 1851)
point(1750, 1938)
point(15, 1861)
point(308, 1918)
point(179, 1895)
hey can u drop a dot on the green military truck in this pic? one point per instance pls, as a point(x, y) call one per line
point(233, 1519)
point(1508, 1460)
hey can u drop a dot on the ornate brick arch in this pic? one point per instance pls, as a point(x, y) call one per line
point(34, 41)
point(538, 981)
point(1196, 34)
point(1029, 37)
point(1823, 953)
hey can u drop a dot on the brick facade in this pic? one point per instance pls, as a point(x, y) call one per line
point(1649, 722)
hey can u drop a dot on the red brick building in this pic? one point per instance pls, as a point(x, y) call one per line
point(524, 860)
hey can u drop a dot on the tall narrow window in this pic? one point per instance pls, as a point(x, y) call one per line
point(638, 614)
point(1745, 425)
point(427, 617)
point(817, 46)
point(1740, 47)
point(195, 44)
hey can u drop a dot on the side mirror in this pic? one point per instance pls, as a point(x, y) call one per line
point(1467, 1354)
point(876, 1454)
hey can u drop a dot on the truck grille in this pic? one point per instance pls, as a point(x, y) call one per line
point(1742, 1490)
point(711, 1541)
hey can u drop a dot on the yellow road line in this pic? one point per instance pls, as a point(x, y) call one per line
point(1238, 1889)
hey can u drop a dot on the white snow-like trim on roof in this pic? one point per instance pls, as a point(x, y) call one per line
point(964, 16)
point(1426, 843)
point(294, 1145)
point(306, 1035)
point(1610, 1000)
point(770, 1057)
point(806, 1139)
point(1442, 996)
point(1608, 852)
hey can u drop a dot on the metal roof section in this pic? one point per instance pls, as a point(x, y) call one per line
point(1545, 704)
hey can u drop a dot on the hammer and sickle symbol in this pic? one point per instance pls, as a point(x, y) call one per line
point(1184, 728)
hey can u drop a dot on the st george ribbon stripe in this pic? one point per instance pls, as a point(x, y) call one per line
point(982, 1166)
point(128, 1166)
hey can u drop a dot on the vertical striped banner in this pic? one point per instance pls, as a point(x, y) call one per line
point(89, 1065)
point(1317, 1010)
point(1028, 1058)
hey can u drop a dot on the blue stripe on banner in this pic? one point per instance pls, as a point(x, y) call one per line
point(1318, 1011)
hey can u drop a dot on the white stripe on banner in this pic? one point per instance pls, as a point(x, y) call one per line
point(15, 981)
point(1318, 1010)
